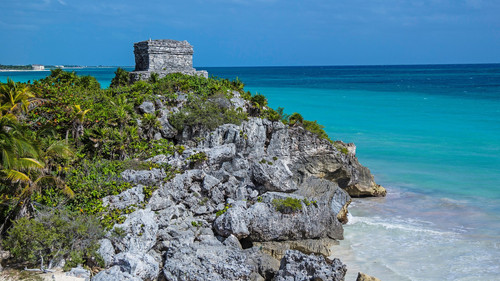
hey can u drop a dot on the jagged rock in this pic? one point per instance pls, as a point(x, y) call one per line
point(296, 266)
point(366, 190)
point(326, 191)
point(221, 153)
point(238, 102)
point(146, 177)
point(202, 261)
point(107, 251)
point(132, 196)
point(115, 273)
point(140, 230)
point(266, 265)
point(209, 182)
point(262, 222)
point(179, 189)
point(247, 168)
point(233, 222)
point(232, 241)
point(365, 277)
point(79, 272)
point(274, 176)
point(304, 153)
point(175, 212)
point(140, 265)
point(147, 107)
point(167, 130)
point(312, 156)
point(277, 249)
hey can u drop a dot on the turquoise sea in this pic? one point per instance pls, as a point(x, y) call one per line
point(429, 133)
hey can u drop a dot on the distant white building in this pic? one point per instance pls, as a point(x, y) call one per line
point(37, 67)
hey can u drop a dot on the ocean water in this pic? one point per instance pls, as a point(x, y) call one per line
point(430, 134)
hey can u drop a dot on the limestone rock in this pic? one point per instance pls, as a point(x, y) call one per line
point(146, 177)
point(147, 107)
point(262, 222)
point(132, 196)
point(140, 230)
point(107, 251)
point(167, 130)
point(365, 277)
point(138, 264)
point(274, 176)
point(267, 266)
point(79, 272)
point(221, 153)
point(115, 273)
point(277, 249)
point(199, 261)
point(296, 266)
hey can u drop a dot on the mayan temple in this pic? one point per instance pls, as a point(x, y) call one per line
point(163, 57)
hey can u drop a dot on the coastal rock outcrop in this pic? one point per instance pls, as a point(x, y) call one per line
point(365, 277)
point(298, 266)
point(248, 196)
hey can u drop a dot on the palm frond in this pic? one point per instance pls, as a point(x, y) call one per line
point(16, 176)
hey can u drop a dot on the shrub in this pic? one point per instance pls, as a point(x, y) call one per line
point(53, 235)
point(197, 159)
point(296, 118)
point(288, 205)
point(317, 129)
point(259, 100)
point(207, 114)
point(122, 78)
point(271, 114)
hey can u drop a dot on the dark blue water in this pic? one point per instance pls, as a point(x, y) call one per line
point(430, 135)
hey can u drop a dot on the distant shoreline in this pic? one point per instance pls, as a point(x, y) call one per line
point(21, 70)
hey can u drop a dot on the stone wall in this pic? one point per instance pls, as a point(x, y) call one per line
point(163, 57)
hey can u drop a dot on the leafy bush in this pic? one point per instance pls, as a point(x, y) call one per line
point(197, 158)
point(296, 118)
point(207, 114)
point(122, 78)
point(259, 100)
point(288, 205)
point(317, 129)
point(53, 235)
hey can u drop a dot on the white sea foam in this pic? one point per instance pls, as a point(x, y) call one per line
point(408, 225)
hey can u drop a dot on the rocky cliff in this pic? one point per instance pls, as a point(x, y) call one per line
point(256, 201)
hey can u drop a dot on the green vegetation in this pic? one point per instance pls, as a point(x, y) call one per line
point(121, 78)
point(341, 148)
point(196, 223)
point(291, 205)
point(54, 235)
point(223, 211)
point(197, 159)
point(317, 129)
point(207, 114)
point(15, 67)
point(288, 205)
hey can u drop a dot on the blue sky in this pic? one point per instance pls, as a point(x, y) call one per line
point(253, 33)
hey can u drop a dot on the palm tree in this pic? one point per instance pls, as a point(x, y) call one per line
point(15, 97)
point(78, 121)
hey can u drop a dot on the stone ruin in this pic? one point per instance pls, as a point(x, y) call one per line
point(163, 57)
